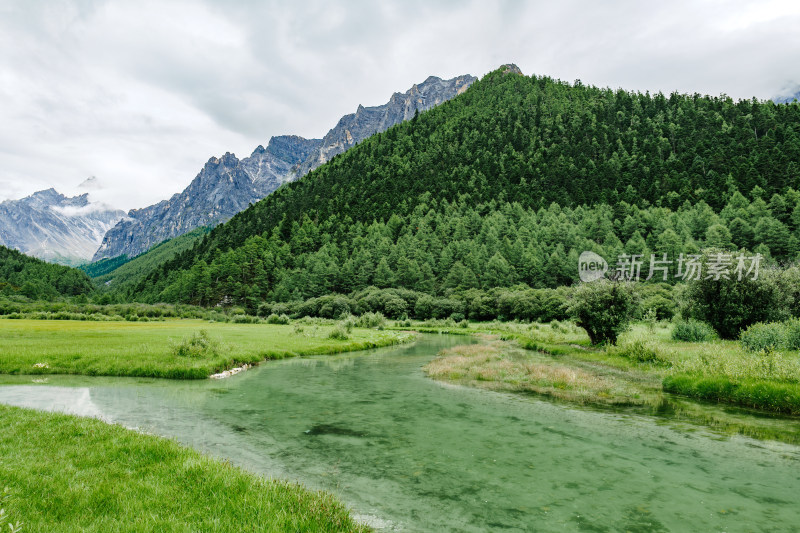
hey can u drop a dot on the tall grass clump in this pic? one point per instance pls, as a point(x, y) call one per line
point(278, 319)
point(640, 351)
point(371, 320)
point(693, 331)
point(199, 344)
point(764, 337)
point(245, 319)
point(341, 331)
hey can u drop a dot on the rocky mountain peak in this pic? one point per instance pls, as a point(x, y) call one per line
point(510, 68)
point(54, 227)
point(227, 185)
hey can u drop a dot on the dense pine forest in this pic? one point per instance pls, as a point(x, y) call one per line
point(503, 187)
point(21, 275)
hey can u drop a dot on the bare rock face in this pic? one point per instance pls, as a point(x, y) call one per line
point(224, 187)
point(53, 227)
point(227, 185)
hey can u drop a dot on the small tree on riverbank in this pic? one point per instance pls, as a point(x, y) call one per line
point(731, 305)
point(603, 308)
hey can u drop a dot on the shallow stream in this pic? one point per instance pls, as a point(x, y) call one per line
point(408, 453)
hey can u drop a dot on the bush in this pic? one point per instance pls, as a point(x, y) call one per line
point(338, 333)
point(641, 352)
point(457, 317)
point(244, 319)
point(371, 320)
point(731, 305)
point(335, 307)
point(764, 337)
point(693, 331)
point(198, 345)
point(348, 323)
point(395, 307)
point(793, 334)
point(603, 308)
point(277, 319)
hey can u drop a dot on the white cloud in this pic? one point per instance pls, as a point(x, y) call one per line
point(142, 94)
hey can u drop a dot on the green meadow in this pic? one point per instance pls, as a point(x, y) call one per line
point(66, 473)
point(184, 349)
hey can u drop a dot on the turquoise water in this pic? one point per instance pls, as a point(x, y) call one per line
point(410, 454)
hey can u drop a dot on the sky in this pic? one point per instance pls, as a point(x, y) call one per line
point(141, 94)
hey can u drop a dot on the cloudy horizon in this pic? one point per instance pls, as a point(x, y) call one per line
point(142, 95)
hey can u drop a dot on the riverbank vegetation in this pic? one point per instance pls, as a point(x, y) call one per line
point(184, 349)
point(646, 362)
point(67, 473)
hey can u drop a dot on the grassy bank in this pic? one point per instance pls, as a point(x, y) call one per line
point(152, 349)
point(67, 473)
point(646, 363)
point(498, 365)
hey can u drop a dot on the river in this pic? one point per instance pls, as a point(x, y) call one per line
point(411, 454)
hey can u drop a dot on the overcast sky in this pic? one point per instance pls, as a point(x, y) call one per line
point(141, 93)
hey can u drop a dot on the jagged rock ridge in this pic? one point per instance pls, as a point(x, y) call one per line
point(367, 121)
point(53, 227)
point(226, 185)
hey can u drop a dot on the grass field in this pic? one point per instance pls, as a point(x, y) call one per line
point(67, 473)
point(147, 349)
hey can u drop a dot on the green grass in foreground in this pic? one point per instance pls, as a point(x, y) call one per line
point(67, 473)
point(146, 349)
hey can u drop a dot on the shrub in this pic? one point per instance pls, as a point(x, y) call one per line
point(371, 320)
point(457, 317)
point(395, 307)
point(603, 308)
point(464, 324)
point(244, 319)
point(335, 307)
point(731, 305)
point(338, 333)
point(641, 352)
point(198, 345)
point(793, 334)
point(277, 319)
point(693, 331)
point(348, 323)
point(764, 337)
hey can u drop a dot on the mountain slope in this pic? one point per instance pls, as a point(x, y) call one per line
point(223, 187)
point(27, 276)
point(54, 227)
point(367, 121)
point(533, 141)
point(134, 270)
point(226, 186)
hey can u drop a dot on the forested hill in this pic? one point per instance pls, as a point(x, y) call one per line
point(35, 279)
point(532, 141)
